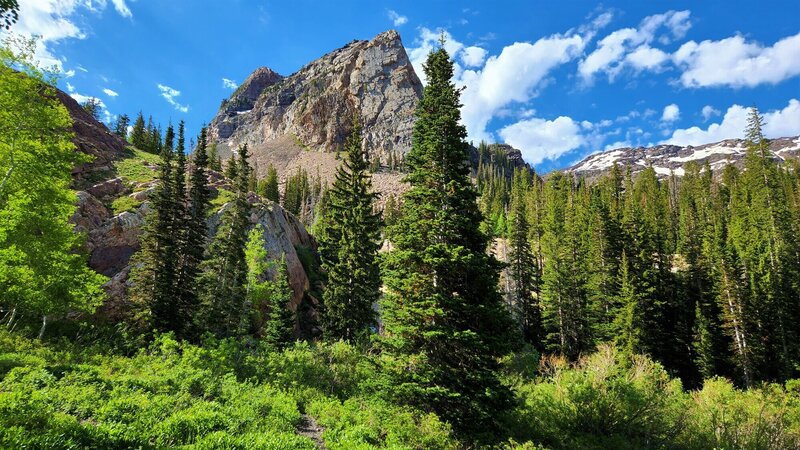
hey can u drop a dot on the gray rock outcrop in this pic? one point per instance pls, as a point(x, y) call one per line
point(313, 108)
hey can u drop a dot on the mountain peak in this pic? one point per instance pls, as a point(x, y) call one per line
point(312, 109)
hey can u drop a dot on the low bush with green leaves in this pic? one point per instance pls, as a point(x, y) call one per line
point(613, 400)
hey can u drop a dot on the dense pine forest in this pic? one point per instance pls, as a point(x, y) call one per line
point(629, 312)
point(699, 272)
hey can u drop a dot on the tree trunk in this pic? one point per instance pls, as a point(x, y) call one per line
point(44, 325)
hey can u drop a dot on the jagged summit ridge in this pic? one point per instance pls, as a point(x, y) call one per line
point(313, 107)
point(668, 159)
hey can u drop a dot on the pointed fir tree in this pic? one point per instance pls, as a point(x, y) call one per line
point(268, 298)
point(224, 276)
point(279, 325)
point(268, 187)
point(194, 241)
point(121, 126)
point(349, 240)
point(391, 211)
point(564, 278)
point(522, 264)
point(138, 135)
point(445, 322)
point(154, 277)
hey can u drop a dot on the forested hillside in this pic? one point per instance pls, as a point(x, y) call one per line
point(699, 271)
point(483, 306)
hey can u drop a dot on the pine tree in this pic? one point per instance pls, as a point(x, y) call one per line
point(231, 168)
point(695, 241)
point(268, 187)
point(391, 211)
point(154, 277)
point(522, 264)
point(224, 277)
point(564, 278)
point(121, 127)
point(92, 106)
point(270, 298)
point(761, 233)
point(138, 135)
point(214, 160)
point(349, 240)
point(196, 231)
point(445, 322)
point(736, 317)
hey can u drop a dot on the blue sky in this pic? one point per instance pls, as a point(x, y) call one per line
point(559, 80)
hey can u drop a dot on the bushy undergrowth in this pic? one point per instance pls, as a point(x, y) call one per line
point(229, 395)
point(610, 400)
point(219, 395)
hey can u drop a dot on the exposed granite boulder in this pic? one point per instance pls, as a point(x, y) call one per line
point(284, 234)
point(314, 107)
point(115, 241)
point(108, 189)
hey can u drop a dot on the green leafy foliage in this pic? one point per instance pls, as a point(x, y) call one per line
point(43, 270)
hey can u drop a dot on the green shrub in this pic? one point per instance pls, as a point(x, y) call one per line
point(366, 423)
point(722, 416)
point(607, 400)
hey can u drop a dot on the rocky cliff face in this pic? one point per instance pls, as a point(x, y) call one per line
point(113, 238)
point(92, 138)
point(312, 109)
point(669, 159)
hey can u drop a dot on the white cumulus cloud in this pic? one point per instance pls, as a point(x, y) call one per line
point(169, 95)
point(630, 46)
point(541, 139)
point(671, 113)
point(735, 62)
point(709, 112)
point(110, 93)
point(501, 85)
point(396, 18)
point(778, 123)
point(227, 83)
point(80, 98)
point(474, 56)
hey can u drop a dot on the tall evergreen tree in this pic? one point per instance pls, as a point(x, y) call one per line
point(121, 126)
point(564, 278)
point(522, 263)
point(224, 277)
point(155, 275)
point(349, 240)
point(92, 106)
point(445, 322)
point(193, 243)
point(762, 236)
point(268, 187)
point(138, 135)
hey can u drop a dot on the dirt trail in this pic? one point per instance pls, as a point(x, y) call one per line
point(309, 428)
